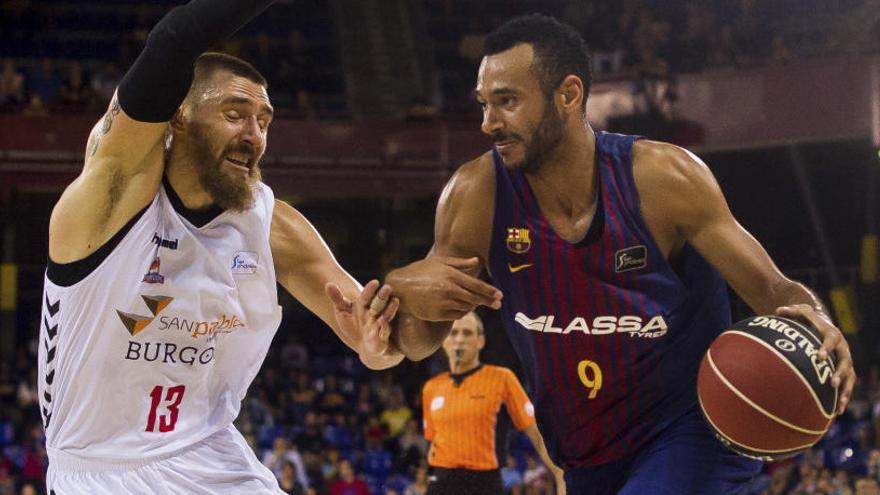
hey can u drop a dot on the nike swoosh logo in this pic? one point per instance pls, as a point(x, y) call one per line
point(514, 269)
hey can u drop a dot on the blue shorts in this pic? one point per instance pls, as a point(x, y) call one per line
point(686, 459)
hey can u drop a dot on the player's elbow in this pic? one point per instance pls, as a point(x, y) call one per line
point(417, 351)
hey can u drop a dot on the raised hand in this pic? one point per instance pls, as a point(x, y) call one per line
point(371, 328)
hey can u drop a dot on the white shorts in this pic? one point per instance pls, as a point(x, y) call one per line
point(221, 464)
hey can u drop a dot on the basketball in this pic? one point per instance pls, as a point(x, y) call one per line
point(763, 389)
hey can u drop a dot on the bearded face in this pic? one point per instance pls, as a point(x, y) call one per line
point(538, 139)
point(229, 174)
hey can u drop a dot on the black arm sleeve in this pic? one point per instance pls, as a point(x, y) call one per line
point(161, 76)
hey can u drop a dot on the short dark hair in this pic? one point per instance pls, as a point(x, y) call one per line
point(209, 63)
point(559, 49)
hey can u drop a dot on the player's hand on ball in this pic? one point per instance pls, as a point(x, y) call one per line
point(442, 288)
point(833, 341)
point(368, 317)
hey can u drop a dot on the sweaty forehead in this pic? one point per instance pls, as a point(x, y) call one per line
point(225, 86)
point(507, 69)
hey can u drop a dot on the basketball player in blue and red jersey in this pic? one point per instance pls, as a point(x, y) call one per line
point(612, 253)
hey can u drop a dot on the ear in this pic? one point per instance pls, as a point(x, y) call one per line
point(571, 94)
point(178, 121)
point(481, 341)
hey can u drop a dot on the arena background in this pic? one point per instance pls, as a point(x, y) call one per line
point(375, 110)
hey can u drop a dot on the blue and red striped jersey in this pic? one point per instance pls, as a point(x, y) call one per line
point(609, 334)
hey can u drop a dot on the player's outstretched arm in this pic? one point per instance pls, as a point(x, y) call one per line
point(444, 286)
point(125, 150)
point(703, 219)
point(305, 267)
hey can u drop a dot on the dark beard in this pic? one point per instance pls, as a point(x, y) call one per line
point(545, 137)
point(228, 192)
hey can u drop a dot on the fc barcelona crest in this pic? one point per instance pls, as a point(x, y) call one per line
point(518, 240)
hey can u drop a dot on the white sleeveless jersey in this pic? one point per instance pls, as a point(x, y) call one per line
point(154, 350)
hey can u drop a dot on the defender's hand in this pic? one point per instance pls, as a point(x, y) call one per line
point(356, 317)
point(442, 288)
point(833, 341)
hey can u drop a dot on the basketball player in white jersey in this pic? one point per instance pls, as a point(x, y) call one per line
point(160, 295)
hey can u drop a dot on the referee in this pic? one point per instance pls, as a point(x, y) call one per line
point(460, 408)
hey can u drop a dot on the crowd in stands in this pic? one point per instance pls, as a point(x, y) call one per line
point(62, 58)
point(651, 39)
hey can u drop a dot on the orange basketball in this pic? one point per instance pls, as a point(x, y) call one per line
point(763, 389)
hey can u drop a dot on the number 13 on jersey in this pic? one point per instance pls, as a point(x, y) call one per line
point(166, 419)
point(590, 375)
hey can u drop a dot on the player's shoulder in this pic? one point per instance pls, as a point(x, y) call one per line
point(436, 380)
point(498, 371)
point(659, 164)
point(664, 167)
point(472, 180)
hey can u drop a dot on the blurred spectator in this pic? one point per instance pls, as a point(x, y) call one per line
point(376, 464)
point(310, 439)
point(779, 52)
point(7, 476)
point(289, 482)
point(421, 110)
point(45, 82)
point(330, 466)
point(283, 453)
point(11, 84)
point(537, 478)
point(303, 108)
point(396, 413)
point(26, 393)
point(29, 489)
point(330, 401)
point(511, 477)
point(295, 64)
point(104, 84)
point(8, 394)
point(347, 484)
point(366, 401)
point(723, 51)
point(470, 46)
point(302, 397)
point(34, 460)
point(412, 445)
point(337, 433)
point(35, 107)
point(76, 91)
point(294, 354)
point(374, 430)
point(419, 486)
point(867, 486)
point(692, 53)
point(263, 56)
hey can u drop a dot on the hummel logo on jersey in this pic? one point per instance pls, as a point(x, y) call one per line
point(165, 243)
point(601, 325)
point(514, 269)
point(631, 258)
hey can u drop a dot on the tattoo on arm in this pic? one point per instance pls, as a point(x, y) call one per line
point(106, 123)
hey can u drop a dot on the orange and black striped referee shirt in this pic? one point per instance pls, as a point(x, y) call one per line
point(459, 420)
